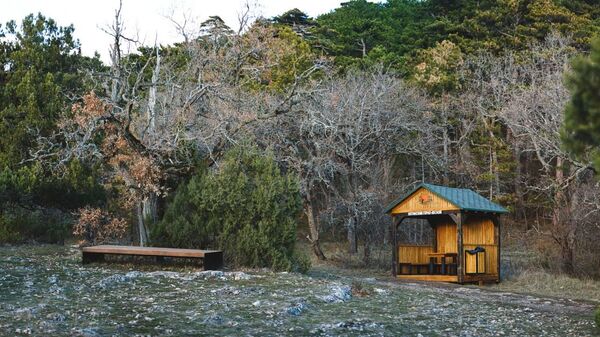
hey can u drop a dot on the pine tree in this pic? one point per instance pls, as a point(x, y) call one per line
point(582, 115)
point(248, 208)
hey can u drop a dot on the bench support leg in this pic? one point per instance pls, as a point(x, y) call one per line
point(213, 261)
point(92, 257)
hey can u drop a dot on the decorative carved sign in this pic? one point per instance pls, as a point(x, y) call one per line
point(424, 198)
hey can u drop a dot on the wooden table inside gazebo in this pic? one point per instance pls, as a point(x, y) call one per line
point(433, 261)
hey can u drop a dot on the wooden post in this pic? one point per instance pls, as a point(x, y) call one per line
point(498, 241)
point(397, 219)
point(394, 252)
point(458, 219)
point(434, 231)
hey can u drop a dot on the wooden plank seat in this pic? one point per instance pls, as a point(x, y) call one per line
point(211, 259)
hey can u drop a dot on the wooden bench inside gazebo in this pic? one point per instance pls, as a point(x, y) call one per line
point(465, 240)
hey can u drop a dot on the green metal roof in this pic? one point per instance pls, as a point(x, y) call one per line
point(463, 198)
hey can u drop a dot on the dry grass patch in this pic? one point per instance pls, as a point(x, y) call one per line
point(556, 285)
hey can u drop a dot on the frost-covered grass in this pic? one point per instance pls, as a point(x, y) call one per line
point(45, 291)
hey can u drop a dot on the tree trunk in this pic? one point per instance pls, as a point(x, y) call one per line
point(561, 222)
point(142, 230)
point(149, 208)
point(352, 241)
point(446, 137)
point(313, 227)
point(367, 253)
point(151, 114)
point(520, 213)
point(353, 220)
point(568, 260)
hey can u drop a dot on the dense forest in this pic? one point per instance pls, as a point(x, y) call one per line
point(295, 128)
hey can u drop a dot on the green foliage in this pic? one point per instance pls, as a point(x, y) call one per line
point(353, 29)
point(582, 116)
point(437, 68)
point(288, 57)
point(39, 64)
point(248, 208)
point(402, 28)
point(492, 154)
point(18, 224)
point(293, 17)
point(40, 68)
point(22, 192)
point(297, 59)
point(8, 232)
point(597, 317)
point(78, 186)
point(29, 186)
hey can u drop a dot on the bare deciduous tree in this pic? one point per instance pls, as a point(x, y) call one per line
point(351, 130)
point(526, 94)
point(195, 100)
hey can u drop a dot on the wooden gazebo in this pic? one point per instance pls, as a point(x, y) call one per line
point(465, 243)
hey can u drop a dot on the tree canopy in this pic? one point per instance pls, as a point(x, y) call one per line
point(394, 31)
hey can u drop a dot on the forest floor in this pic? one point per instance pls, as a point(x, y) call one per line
point(45, 291)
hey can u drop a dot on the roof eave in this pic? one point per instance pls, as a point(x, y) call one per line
point(503, 211)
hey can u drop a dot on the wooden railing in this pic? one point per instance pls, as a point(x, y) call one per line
point(414, 254)
point(417, 254)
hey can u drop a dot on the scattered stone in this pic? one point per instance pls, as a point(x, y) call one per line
point(296, 309)
point(355, 325)
point(112, 280)
point(25, 313)
point(56, 317)
point(240, 275)
point(338, 294)
point(213, 319)
point(26, 331)
point(226, 290)
point(210, 274)
point(52, 279)
point(380, 291)
point(87, 332)
point(166, 274)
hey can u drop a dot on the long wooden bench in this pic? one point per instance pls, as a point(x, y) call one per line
point(211, 259)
